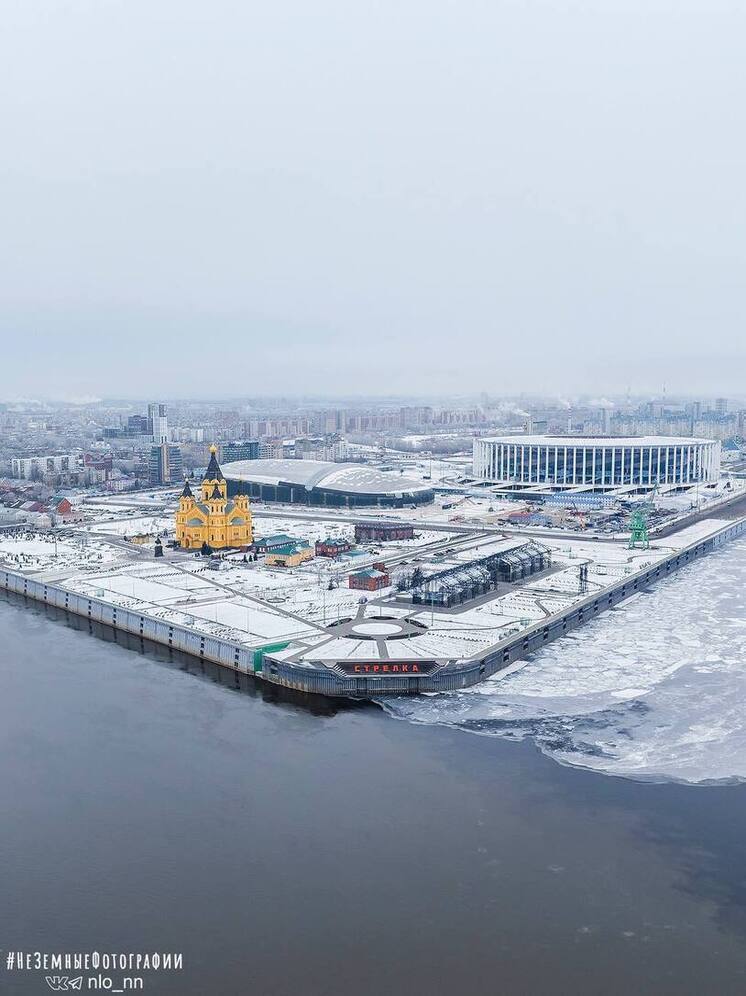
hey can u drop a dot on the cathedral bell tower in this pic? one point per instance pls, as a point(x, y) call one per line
point(213, 483)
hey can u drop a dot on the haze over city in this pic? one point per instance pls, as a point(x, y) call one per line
point(387, 197)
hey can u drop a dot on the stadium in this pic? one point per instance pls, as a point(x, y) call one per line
point(603, 461)
point(314, 482)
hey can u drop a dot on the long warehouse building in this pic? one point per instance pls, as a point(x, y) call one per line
point(605, 461)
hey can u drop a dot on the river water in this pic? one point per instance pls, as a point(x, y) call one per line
point(654, 690)
point(287, 849)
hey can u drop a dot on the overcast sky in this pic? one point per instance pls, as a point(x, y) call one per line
point(392, 196)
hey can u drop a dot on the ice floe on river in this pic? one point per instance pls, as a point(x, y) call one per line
point(654, 690)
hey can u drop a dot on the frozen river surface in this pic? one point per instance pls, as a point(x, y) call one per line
point(654, 690)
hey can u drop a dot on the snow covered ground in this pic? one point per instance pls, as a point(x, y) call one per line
point(33, 551)
point(654, 690)
point(194, 599)
point(345, 529)
point(150, 525)
point(302, 528)
point(303, 591)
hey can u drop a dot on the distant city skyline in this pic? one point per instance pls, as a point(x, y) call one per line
point(479, 398)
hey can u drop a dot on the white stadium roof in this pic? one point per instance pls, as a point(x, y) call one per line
point(528, 440)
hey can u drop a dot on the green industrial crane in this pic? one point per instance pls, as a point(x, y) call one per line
point(638, 530)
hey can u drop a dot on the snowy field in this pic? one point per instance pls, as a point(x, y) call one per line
point(149, 525)
point(303, 591)
point(654, 690)
point(345, 529)
point(194, 599)
point(33, 551)
point(301, 528)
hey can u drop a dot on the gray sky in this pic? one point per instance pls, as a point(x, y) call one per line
point(378, 196)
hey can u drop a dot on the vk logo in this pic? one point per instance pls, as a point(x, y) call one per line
point(60, 982)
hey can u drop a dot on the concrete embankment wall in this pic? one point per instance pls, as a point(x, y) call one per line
point(182, 638)
point(324, 681)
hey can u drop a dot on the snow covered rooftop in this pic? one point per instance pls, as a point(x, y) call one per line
point(343, 477)
point(571, 440)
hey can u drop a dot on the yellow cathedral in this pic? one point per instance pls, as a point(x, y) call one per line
point(213, 518)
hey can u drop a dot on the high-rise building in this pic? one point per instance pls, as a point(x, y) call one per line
point(138, 425)
point(36, 468)
point(534, 425)
point(158, 423)
point(246, 450)
point(165, 466)
point(187, 434)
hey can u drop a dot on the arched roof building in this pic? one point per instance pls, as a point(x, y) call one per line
point(316, 482)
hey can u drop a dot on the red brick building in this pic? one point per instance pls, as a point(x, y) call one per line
point(370, 579)
point(332, 547)
point(380, 532)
